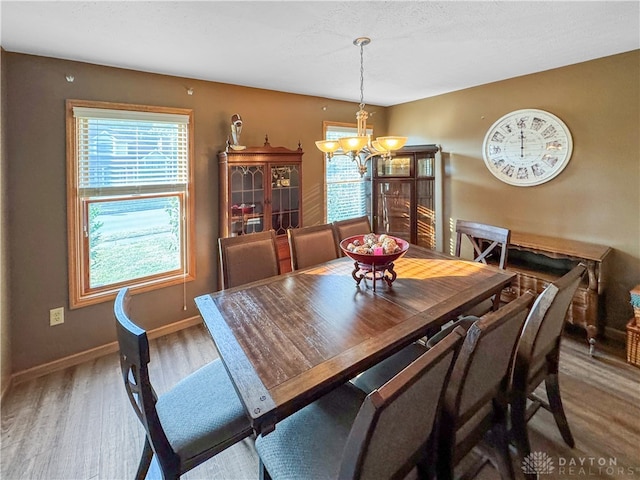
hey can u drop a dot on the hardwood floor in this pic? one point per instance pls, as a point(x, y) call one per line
point(77, 424)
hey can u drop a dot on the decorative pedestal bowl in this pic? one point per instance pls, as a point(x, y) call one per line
point(376, 265)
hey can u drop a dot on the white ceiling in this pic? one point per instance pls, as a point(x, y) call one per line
point(419, 48)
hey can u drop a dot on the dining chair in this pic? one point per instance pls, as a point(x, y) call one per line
point(248, 258)
point(488, 242)
point(537, 358)
point(476, 403)
point(476, 400)
point(198, 418)
point(351, 227)
point(347, 435)
point(312, 245)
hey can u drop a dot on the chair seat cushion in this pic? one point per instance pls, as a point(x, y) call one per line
point(310, 443)
point(381, 373)
point(202, 412)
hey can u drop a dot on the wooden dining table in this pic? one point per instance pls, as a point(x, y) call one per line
point(289, 339)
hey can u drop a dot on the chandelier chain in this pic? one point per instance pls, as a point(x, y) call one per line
point(362, 76)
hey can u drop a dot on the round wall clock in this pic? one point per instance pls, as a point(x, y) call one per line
point(527, 147)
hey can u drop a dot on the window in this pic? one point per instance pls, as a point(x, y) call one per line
point(348, 195)
point(129, 198)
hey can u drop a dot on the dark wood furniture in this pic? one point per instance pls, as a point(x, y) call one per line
point(290, 339)
point(248, 258)
point(261, 189)
point(476, 399)
point(537, 359)
point(344, 435)
point(540, 260)
point(351, 227)
point(404, 195)
point(196, 419)
point(312, 245)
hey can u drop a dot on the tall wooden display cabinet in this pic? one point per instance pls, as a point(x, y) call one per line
point(261, 189)
point(404, 195)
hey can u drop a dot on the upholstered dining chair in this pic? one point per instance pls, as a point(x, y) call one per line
point(198, 418)
point(348, 435)
point(476, 398)
point(312, 245)
point(248, 258)
point(350, 227)
point(537, 359)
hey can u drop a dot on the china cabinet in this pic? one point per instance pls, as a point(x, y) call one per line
point(261, 189)
point(403, 195)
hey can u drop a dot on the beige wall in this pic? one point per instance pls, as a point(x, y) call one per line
point(595, 199)
point(5, 343)
point(35, 133)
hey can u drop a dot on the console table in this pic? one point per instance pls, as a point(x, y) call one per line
point(539, 260)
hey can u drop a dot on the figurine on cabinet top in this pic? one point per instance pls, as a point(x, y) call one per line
point(236, 129)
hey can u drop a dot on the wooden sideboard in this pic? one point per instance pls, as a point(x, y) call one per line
point(539, 260)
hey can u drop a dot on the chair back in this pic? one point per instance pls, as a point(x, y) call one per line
point(542, 331)
point(405, 407)
point(312, 245)
point(480, 375)
point(351, 227)
point(248, 258)
point(134, 360)
point(485, 240)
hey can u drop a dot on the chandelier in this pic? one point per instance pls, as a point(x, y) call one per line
point(361, 147)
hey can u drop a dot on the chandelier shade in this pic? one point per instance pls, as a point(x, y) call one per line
point(361, 148)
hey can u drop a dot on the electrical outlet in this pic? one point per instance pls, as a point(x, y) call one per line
point(56, 316)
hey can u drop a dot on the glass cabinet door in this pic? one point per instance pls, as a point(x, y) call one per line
point(285, 198)
point(425, 166)
point(247, 199)
point(425, 213)
point(393, 212)
point(399, 166)
point(425, 203)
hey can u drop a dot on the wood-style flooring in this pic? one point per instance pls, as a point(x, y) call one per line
point(77, 424)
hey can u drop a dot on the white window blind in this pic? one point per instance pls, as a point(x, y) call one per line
point(347, 192)
point(139, 152)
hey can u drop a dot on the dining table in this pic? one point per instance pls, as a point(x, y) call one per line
point(289, 339)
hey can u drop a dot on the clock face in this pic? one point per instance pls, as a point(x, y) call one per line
point(527, 147)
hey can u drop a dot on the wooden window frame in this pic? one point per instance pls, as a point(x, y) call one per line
point(80, 293)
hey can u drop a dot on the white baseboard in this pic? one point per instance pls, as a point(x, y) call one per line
point(94, 353)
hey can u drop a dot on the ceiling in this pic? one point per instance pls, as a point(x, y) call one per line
point(418, 49)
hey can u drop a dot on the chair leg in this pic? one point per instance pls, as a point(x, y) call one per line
point(500, 436)
point(555, 403)
point(519, 432)
point(444, 462)
point(263, 473)
point(145, 460)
